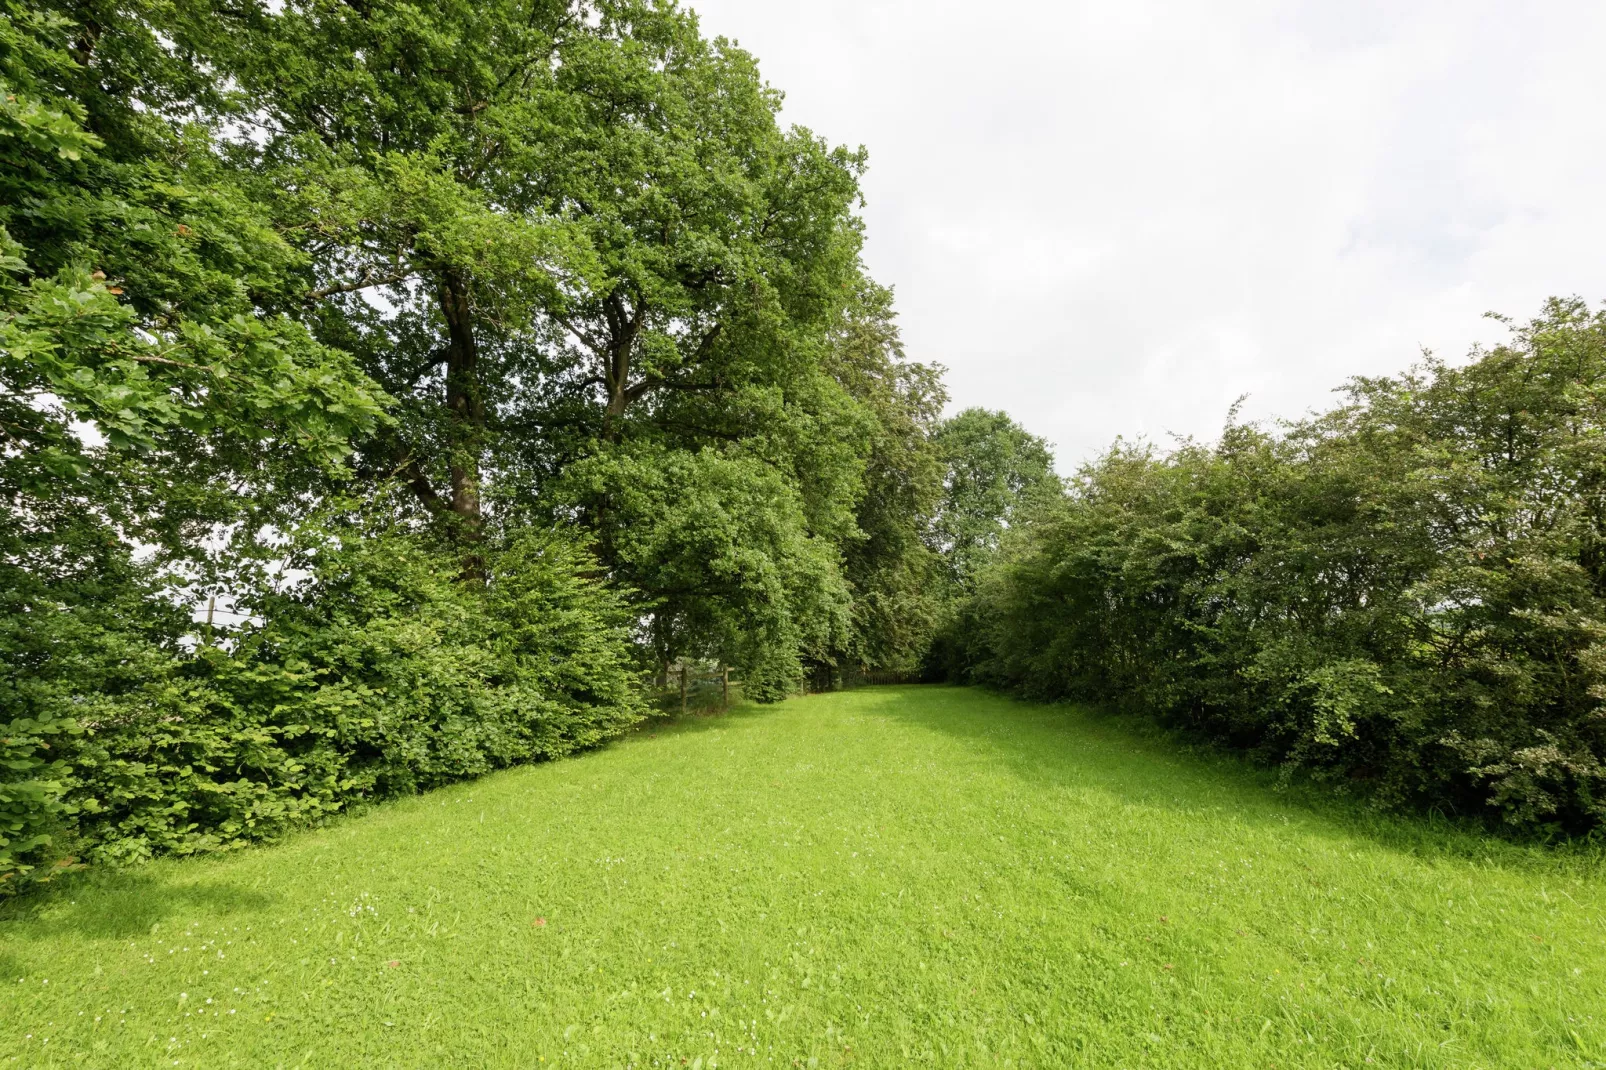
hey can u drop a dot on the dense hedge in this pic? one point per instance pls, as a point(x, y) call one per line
point(381, 674)
point(1406, 593)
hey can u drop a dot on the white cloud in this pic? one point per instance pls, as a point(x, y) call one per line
point(1114, 218)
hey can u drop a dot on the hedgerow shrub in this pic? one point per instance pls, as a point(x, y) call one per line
point(81, 634)
point(1406, 593)
point(382, 673)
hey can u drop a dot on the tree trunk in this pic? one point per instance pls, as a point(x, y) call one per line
point(465, 403)
point(623, 328)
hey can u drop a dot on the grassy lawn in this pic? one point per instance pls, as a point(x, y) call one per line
point(896, 875)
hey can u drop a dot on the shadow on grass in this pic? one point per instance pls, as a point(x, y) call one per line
point(1140, 763)
point(111, 905)
point(698, 720)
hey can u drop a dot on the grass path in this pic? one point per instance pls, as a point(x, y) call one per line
point(923, 875)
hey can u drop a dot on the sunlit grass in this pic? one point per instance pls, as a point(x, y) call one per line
point(896, 875)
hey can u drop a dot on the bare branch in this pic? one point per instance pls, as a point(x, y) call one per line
point(584, 336)
point(365, 281)
point(434, 360)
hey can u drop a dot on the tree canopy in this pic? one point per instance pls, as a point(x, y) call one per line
point(406, 333)
point(998, 476)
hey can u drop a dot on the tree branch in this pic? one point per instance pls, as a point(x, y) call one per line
point(166, 362)
point(407, 465)
point(366, 280)
point(584, 336)
point(654, 382)
point(434, 360)
point(648, 385)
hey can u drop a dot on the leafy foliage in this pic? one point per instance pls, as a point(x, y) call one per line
point(1406, 592)
point(380, 674)
point(546, 285)
point(997, 479)
point(892, 565)
point(998, 475)
point(605, 286)
point(147, 387)
point(724, 540)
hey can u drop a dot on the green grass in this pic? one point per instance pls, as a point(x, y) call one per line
point(897, 875)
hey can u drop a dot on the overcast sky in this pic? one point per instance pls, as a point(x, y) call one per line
point(1115, 217)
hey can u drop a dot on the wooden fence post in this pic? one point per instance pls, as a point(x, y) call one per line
point(684, 675)
point(725, 688)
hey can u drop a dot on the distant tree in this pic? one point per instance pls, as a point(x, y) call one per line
point(997, 474)
point(894, 574)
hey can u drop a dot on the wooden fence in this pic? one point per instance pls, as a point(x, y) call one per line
point(847, 677)
point(697, 687)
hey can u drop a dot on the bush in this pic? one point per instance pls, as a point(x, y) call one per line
point(382, 673)
point(732, 529)
point(1408, 592)
point(79, 635)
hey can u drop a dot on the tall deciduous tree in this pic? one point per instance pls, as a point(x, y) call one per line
point(997, 474)
point(894, 573)
point(576, 244)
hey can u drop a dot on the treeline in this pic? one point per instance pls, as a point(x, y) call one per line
point(388, 392)
point(1405, 595)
